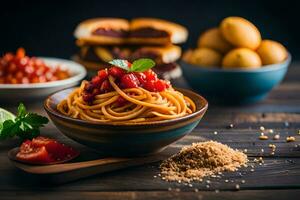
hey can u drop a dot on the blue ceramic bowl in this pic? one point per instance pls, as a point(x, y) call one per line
point(235, 85)
point(125, 139)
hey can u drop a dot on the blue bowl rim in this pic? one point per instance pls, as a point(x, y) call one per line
point(194, 115)
point(265, 68)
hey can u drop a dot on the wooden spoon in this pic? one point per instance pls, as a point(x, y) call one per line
point(66, 172)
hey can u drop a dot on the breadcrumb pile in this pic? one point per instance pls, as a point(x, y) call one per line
point(201, 159)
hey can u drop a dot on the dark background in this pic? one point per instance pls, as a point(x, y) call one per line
point(45, 28)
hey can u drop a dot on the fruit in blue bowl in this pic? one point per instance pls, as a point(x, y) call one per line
point(235, 85)
point(232, 64)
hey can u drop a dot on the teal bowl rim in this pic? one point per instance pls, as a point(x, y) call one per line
point(197, 115)
point(264, 68)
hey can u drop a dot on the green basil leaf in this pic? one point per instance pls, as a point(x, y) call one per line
point(25, 125)
point(35, 120)
point(9, 129)
point(142, 65)
point(21, 110)
point(120, 63)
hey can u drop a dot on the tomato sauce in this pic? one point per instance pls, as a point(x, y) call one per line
point(100, 84)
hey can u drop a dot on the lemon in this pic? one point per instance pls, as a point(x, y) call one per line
point(5, 115)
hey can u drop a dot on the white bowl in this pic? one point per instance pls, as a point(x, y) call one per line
point(22, 92)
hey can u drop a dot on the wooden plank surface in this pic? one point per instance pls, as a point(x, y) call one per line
point(160, 195)
point(280, 171)
point(277, 178)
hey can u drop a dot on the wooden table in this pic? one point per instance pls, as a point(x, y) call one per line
point(277, 178)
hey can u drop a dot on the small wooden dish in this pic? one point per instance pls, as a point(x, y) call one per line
point(66, 172)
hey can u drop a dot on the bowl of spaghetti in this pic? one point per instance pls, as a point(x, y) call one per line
point(126, 110)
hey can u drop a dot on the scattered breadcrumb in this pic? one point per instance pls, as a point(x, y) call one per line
point(271, 131)
point(286, 124)
point(290, 139)
point(262, 128)
point(263, 137)
point(230, 126)
point(272, 146)
point(201, 159)
point(276, 137)
point(259, 160)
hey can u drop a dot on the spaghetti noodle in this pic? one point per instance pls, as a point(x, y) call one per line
point(140, 104)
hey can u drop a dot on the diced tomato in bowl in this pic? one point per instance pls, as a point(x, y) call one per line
point(21, 69)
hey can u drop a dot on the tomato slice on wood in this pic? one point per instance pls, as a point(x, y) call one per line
point(25, 145)
point(33, 155)
point(50, 144)
point(57, 150)
point(42, 150)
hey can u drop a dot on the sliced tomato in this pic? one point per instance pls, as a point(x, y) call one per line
point(25, 145)
point(42, 150)
point(50, 144)
point(35, 155)
point(58, 151)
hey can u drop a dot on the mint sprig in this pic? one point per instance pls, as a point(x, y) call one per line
point(142, 65)
point(139, 65)
point(25, 125)
point(120, 63)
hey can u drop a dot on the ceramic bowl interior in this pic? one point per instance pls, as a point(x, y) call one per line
point(125, 139)
point(234, 86)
